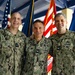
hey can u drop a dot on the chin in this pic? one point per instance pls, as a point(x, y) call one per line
point(16, 26)
point(39, 36)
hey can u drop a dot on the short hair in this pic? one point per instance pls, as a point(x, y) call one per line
point(58, 14)
point(14, 13)
point(38, 21)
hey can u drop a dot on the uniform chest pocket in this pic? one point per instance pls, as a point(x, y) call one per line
point(7, 49)
point(67, 44)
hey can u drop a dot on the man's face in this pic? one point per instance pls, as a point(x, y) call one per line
point(15, 20)
point(38, 29)
point(61, 22)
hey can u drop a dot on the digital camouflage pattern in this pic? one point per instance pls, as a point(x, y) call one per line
point(11, 52)
point(63, 52)
point(36, 57)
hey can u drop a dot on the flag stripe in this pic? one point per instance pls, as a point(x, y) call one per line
point(50, 29)
point(49, 62)
point(48, 24)
point(49, 19)
point(48, 16)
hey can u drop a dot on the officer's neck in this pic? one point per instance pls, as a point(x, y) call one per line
point(38, 38)
point(13, 30)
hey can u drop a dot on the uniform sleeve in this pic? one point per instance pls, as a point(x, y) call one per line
point(51, 48)
point(51, 51)
point(23, 61)
point(1, 38)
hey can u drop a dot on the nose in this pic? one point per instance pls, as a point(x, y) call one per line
point(59, 22)
point(37, 29)
point(15, 19)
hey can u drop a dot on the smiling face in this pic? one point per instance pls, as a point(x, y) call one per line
point(61, 23)
point(15, 20)
point(38, 29)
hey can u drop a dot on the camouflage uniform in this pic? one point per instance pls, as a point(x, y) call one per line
point(11, 52)
point(36, 57)
point(63, 52)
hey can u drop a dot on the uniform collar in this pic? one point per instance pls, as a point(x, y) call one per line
point(33, 39)
point(7, 32)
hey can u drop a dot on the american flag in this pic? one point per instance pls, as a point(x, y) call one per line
point(49, 23)
point(49, 64)
point(50, 29)
point(6, 16)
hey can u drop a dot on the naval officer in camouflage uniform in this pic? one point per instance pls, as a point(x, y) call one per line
point(63, 49)
point(37, 49)
point(12, 43)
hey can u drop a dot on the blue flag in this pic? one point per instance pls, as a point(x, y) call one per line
point(27, 27)
point(72, 26)
point(6, 16)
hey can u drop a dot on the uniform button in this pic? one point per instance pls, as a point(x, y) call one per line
point(16, 44)
point(61, 73)
point(58, 47)
point(37, 51)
